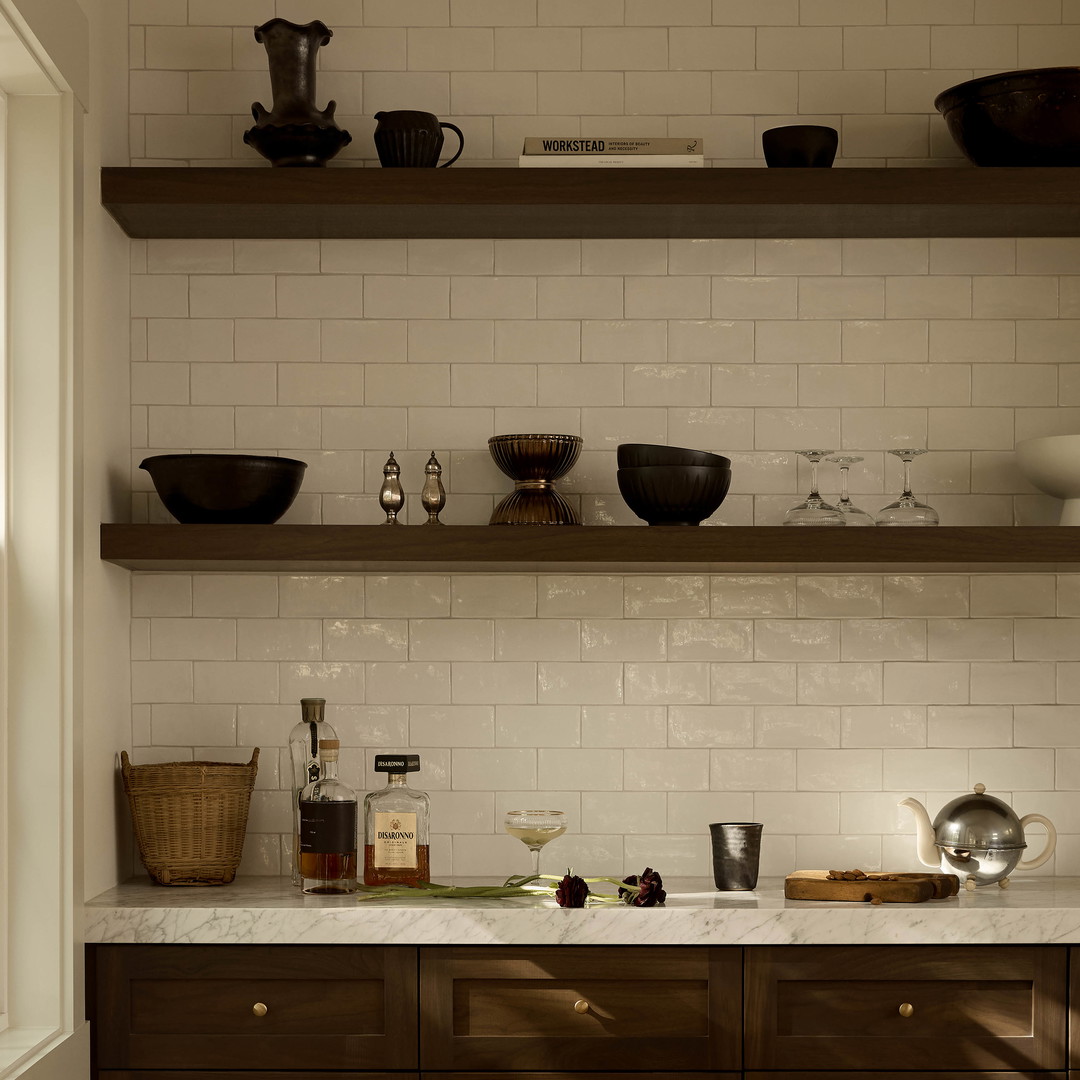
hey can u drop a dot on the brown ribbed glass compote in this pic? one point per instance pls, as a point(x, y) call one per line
point(534, 463)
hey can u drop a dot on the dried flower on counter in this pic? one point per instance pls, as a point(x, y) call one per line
point(646, 891)
point(571, 891)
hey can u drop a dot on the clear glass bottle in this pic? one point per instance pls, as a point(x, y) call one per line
point(328, 814)
point(306, 763)
point(396, 826)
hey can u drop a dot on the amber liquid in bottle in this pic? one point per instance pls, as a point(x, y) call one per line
point(397, 875)
point(335, 868)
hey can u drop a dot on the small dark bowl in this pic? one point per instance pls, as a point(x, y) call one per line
point(1029, 117)
point(635, 455)
point(674, 494)
point(799, 146)
point(225, 489)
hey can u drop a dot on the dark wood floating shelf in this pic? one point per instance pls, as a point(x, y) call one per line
point(573, 203)
point(610, 549)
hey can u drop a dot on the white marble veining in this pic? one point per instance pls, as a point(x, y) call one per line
point(269, 911)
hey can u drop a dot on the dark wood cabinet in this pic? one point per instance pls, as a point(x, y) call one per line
point(251, 1007)
point(582, 1008)
point(919, 1007)
point(343, 1012)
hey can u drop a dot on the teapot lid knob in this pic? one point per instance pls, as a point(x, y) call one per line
point(980, 788)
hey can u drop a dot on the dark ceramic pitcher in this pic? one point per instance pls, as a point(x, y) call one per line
point(406, 139)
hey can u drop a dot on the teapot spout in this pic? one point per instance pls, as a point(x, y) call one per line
point(924, 833)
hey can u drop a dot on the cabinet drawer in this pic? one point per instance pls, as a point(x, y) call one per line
point(194, 1007)
point(970, 1007)
point(251, 1074)
point(935, 1075)
point(580, 1008)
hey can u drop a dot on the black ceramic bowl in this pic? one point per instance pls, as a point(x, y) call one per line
point(1027, 117)
point(799, 146)
point(634, 455)
point(674, 494)
point(225, 489)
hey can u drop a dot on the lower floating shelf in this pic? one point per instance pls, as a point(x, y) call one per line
point(608, 549)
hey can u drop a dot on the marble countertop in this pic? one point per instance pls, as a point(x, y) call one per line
point(269, 911)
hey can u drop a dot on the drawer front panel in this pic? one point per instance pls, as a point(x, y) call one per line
point(574, 1008)
point(255, 1007)
point(952, 1007)
point(247, 1074)
point(934, 1075)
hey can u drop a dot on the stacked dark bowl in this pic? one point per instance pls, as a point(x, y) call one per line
point(1028, 117)
point(670, 485)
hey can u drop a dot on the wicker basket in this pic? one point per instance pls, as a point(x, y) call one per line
point(190, 817)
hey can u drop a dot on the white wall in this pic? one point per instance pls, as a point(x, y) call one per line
point(102, 442)
point(645, 706)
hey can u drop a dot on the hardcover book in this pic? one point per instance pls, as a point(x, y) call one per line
point(611, 161)
point(620, 145)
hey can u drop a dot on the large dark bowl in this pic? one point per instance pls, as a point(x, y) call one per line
point(225, 489)
point(634, 455)
point(674, 494)
point(1029, 117)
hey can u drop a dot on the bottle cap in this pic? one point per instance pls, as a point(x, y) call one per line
point(397, 763)
point(311, 709)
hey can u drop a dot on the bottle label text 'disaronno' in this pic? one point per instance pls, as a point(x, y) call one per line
point(395, 840)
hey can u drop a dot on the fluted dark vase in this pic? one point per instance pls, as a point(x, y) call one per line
point(294, 132)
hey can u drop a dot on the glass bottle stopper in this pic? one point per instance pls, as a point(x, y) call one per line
point(391, 496)
point(433, 495)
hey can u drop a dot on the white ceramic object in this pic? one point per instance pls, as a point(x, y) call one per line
point(1052, 464)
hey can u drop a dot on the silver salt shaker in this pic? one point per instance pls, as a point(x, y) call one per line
point(391, 495)
point(433, 495)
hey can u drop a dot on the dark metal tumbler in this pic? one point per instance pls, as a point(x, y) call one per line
point(736, 848)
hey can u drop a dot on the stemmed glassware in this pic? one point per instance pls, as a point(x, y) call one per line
point(853, 515)
point(814, 510)
point(907, 510)
point(535, 828)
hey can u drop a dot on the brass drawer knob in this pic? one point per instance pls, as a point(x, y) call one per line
point(581, 1006)
point(259, 1009)
point(906, 1009)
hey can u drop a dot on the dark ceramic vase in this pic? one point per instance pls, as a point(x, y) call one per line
point(294, 132)
point(408, 139)
point(799, 146)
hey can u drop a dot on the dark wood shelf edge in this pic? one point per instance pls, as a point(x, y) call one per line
point(608, 549)
point(575, 203)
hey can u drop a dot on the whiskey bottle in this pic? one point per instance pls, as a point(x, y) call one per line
point(328, 829)
point(306, 763)
point(396, 826)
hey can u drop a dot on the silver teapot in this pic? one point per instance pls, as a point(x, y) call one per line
point(978, 837)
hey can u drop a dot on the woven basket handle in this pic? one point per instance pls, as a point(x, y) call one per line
point(254, 757)
point(125, 763)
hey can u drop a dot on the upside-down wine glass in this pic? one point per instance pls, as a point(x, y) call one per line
point(535, 828)
point(853, 514)
point(907, 510)
point(814, 510)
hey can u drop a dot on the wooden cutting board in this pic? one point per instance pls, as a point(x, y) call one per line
point(888, 888)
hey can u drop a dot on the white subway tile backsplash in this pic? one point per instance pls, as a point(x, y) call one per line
point(537, 725)
point(580, 770)
point(807, 702)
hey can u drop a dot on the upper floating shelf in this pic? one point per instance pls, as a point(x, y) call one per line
point(603, 203)
point(610, 549)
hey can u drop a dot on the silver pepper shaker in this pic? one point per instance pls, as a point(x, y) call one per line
point(391, 495)
point(433, 495)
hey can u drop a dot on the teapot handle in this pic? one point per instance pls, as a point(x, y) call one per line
point(1051, 841)
point(461, 142)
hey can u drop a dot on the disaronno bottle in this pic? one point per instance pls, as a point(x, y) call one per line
point(306, 762)
point(328, 829)
point(396, 826)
